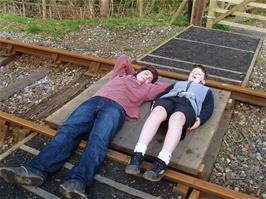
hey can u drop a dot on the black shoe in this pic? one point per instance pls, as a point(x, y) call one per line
point(135, 163)
point(73, 189)
point(155, 173)
point(20, 175)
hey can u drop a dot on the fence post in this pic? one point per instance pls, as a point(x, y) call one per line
point(44, 9)
point(104, 8)
point(197, 13)
point(211, 16)
point(23, 9)
point(140, 7)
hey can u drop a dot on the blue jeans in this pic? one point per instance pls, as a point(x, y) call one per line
point(99, 119)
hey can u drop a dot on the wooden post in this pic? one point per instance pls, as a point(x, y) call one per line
point(211, 16)
point(44, 9)
point(192, 11)
point(23, 9)
point(140, 7)
point(91, 8)
point(178, 11)
point(104, 7)
point(5, 9)
point(197, 13)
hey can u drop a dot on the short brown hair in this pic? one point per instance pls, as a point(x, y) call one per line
point(152, 69)
point(203, 69)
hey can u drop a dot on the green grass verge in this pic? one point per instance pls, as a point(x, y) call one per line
point(58, 28)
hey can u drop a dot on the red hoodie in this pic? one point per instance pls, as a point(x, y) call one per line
point(125, 90)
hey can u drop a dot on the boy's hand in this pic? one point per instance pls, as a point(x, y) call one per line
point(195, 125)
point(152, 105)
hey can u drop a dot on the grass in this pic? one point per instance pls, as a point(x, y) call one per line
point(259, 59)
point(58, 28)
point(181, 21)
point(221, 27)
point(248, 21)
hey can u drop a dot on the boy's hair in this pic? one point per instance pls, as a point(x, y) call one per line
point(203, 69)
point(152, 69)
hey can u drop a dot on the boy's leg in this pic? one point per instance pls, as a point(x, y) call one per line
point(174, 131)
point(173, 135)
point(53, 156)
point(107, 123)
point(157, 116)
point(151, 125)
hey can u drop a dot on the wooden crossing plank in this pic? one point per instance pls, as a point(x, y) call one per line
point(40, 192)
point(189, 154)
point(22, 83)
point(4, 60)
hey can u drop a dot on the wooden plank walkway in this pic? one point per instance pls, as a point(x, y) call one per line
point(190, 153)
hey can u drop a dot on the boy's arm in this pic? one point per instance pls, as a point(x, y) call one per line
point(170, 87)
point(123, 66)
point(156, 89)
point(206, 111)
point(165, 91)
point(207, 108)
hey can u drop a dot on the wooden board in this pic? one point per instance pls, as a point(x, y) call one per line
point(189, 154)
point(5, 60)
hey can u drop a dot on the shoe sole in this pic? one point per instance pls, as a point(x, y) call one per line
point(132, 172)
point(12, 177)
point(71, 194)
point(152, 179)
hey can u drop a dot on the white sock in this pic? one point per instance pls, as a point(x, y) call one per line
point(140, 148)
point(165, 156)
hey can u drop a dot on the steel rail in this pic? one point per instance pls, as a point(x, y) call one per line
point(170, 174)
point(237, 92)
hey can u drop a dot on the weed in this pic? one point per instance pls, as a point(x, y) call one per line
point(181, 21)
point(259, 59)
point(33, 29)
point(247, 21)
point(221, 27)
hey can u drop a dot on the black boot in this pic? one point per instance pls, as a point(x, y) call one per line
point(135, 163)
point(73, 189)
point(155, 173)
point(21, 175)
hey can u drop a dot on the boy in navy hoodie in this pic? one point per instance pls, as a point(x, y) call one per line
point(185, 105)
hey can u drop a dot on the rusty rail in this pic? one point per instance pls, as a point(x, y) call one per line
point(238, 93)
point(174, 176)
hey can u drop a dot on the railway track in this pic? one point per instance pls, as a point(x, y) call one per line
point(197, 186)
point(237, 92)
point(188, 186)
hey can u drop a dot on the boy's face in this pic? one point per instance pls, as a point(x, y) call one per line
point(145, 77)
point(197, 76)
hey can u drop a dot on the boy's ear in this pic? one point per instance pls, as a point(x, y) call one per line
point(203, 81)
